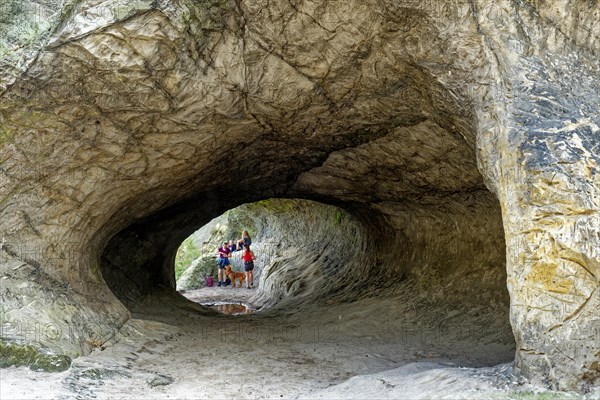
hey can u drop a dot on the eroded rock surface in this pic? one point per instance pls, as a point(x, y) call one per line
point(124, 128)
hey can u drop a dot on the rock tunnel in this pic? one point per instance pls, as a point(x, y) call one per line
point(459, 140)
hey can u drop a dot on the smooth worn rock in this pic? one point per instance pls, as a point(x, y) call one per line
point(461, 139)
point(160, 380)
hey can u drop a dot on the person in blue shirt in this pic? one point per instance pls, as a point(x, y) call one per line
point(232, 246)
point(245, 240)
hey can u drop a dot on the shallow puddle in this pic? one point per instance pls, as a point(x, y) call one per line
point(229, 308)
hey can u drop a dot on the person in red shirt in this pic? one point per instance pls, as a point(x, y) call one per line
point(248, 257)
point(222, 263)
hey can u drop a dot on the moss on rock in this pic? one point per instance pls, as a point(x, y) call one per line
point(27, 355)
point(193, 277)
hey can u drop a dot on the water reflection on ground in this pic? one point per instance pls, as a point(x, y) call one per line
point(230, 308)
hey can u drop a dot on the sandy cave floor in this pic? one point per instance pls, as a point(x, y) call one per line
point(345, 351)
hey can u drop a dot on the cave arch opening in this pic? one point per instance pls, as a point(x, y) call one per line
point(306, 251)
point(430, 273)
point(426, 235)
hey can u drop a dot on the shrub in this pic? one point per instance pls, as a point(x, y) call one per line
point(187, 252)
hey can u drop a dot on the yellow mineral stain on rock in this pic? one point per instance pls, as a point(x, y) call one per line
point(545, 275)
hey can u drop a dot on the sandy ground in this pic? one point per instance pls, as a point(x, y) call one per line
point(169, 351)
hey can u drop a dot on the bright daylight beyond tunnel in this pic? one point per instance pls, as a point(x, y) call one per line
point(418, 184)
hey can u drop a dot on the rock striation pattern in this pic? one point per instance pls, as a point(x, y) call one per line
point(458, 135)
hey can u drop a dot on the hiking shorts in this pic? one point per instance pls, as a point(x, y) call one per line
point(248, 265)
point(222, 263)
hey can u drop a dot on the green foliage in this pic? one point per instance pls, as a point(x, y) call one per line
point(187, 252)
point(27, 355)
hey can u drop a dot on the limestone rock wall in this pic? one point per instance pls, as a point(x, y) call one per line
point(125, 126)
point(547, 156)
point(449, 255)
point(316, 253)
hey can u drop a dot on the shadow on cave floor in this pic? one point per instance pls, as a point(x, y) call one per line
point(183, 350)
point(208, 354)
point(390, 324)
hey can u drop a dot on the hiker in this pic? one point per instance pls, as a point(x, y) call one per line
point(222, 263)
point(248, 257)
point(232, 246)
point(244, 240)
